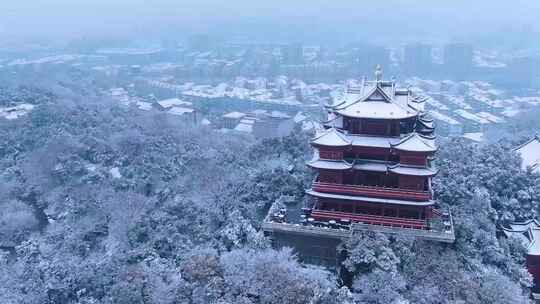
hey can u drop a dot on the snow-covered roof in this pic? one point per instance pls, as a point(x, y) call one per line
point(378, 100)
point(180, 111)
point(377, 110)
point(530, 154)
point(427, 123)
point(373, 141)
point(16, 111)
point(524, 226)
point(368, 199)
point(169, 103)
point(329, 164)
point(490, 117)
point(527, 232)
point(534, 247)
point(244, 127)
point(475, 136)
point(299, 117)
point(143, 105)
point(471, 116)
point(331, 138)
point(234, 115)
point(444, 118)
point(416, 143)
point(412, 170)
point(373, 166)
point(279, 114)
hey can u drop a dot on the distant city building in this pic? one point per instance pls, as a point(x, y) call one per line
point(370, 56)
point(200, 42)
point(458, 59)
point(522, 71)
point(417, 59)
point(271, 124)
point(292, 54)
point(230, 120)
point(167, 104)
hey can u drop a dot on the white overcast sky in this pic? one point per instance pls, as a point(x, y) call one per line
point(75, 18)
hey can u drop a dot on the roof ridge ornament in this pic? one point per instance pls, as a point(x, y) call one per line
point(378, 73)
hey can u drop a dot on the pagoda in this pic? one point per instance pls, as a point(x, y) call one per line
point(374, 165)
point(374, 160)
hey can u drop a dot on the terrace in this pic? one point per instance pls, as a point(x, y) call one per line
point(281, 219)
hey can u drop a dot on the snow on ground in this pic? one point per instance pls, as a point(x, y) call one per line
point(180, 111)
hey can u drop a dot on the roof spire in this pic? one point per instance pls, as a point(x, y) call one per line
point(378, 73)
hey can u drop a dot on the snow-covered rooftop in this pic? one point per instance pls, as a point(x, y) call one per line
point(143, 105)
point(530, 154)
point(180, 111)
point(444, 118)
point(169, 103)
point(527, 232)
point(331, 138)
point(412, 170)
point(17, 111)
point(416, 143)
point(471, 116)
point(234, 115)
point(329, 164)
point(474, 136)
point(378, 100)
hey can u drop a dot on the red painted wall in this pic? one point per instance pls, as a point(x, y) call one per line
point(326, 153)
point(533, 266)
point(413, 159)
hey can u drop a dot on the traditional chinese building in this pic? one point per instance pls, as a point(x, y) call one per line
point(374, 160)
point(528, 232)
point(374, 165)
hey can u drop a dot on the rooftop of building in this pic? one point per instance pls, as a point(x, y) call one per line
point(530, 154)
point(378, 99)
point(528, 232)
point(413, 142)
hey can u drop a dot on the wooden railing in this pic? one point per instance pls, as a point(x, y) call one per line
point(381, 192)
point(323, 215)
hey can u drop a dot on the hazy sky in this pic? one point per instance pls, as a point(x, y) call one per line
point(95, 18)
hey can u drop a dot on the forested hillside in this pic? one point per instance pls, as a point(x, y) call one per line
point(106, 204)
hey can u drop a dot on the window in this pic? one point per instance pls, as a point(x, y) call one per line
point(394, 129)
point(348, 208)
point(330, 154)
point(393, 158)
point(390, 212)
point(408, 213)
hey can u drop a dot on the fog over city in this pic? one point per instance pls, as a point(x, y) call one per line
point(278, 20)
point(269, 152)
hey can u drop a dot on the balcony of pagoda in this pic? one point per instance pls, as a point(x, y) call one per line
point(379, 220)
point(373, 191)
